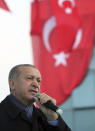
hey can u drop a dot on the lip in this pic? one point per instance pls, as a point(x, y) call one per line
point(34, 91)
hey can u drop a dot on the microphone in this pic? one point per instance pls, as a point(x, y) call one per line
point(51, 106)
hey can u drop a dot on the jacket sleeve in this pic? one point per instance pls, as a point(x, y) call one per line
point(62, 126)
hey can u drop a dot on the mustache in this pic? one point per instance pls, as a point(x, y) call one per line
point(34, 88)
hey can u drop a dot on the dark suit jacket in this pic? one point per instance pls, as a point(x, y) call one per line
point(13, 119)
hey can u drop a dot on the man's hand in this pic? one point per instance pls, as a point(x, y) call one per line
point(43, 98)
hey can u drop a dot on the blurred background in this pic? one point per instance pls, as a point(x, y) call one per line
point(15, 48)
point(79, 109)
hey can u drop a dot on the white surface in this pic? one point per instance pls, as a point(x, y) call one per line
point(15, 43)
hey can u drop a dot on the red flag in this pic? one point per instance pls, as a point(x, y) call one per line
point(85, 7)
point(3, 5)
point(62, 45)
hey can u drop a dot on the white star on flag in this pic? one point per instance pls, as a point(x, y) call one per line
point(61, 58)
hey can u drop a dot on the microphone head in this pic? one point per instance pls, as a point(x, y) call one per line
point(59, 111)
point(37, 95)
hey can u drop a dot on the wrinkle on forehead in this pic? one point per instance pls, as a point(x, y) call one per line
point(30, 71)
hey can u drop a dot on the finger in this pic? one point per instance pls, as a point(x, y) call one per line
point(44, 98)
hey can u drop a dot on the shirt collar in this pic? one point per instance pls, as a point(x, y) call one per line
point(16, 102)
point(28, 109)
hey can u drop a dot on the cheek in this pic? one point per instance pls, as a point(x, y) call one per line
point(20, 89)
point(21, 92)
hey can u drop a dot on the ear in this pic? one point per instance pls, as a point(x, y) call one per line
point(11, 84)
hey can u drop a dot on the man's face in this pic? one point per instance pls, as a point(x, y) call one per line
point(27, 84)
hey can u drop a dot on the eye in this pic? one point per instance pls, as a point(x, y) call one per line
point(39, 81)
point(30, 78)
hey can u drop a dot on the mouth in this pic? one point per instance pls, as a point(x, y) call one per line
point(33, 92)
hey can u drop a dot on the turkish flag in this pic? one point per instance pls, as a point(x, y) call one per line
point(3, 5)
point(62, 42)
point(85, 7)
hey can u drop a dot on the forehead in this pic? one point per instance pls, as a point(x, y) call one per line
point(28, 70)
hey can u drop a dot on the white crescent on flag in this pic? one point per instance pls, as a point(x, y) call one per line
point(67, 9)
point(50, 24)
point(48, 27)
point(60, 2)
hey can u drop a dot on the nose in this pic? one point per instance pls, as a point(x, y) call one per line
point(34, 85)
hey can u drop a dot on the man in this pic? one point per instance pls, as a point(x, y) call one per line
point(18, 111)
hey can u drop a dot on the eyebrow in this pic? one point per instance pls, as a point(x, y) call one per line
point(34, 76)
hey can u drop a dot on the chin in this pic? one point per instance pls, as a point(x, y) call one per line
point(30, 98)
